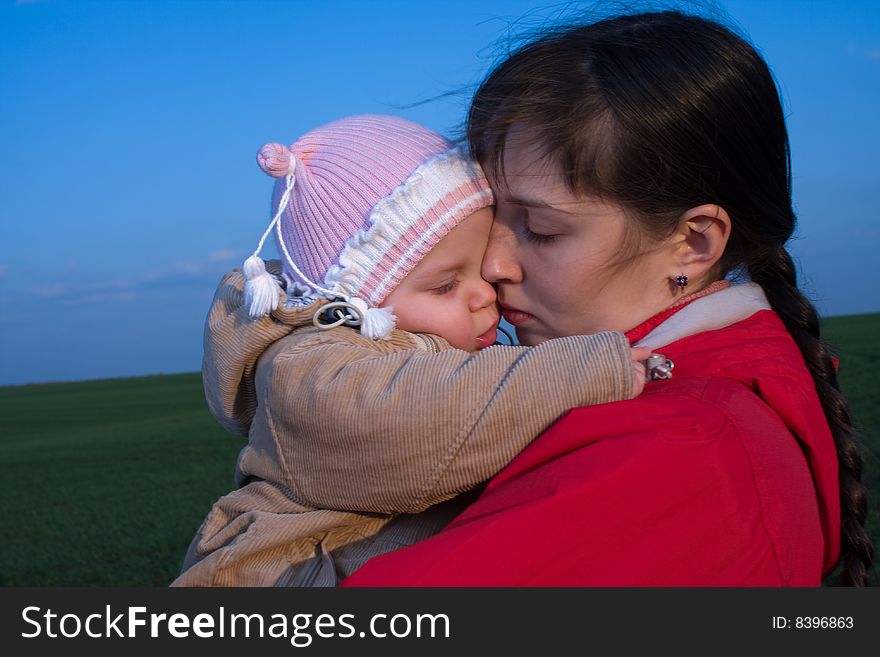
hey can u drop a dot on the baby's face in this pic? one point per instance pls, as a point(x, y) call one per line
point(445, 295)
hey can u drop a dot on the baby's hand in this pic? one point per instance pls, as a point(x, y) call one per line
point(639, 373)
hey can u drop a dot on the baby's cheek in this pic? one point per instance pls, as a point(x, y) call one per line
point(447, 330)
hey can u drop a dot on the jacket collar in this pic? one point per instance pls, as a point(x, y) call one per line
point(706, 313)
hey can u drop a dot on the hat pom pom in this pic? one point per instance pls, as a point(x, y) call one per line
point(261, 290)
point(377, 323)
point(276, 160)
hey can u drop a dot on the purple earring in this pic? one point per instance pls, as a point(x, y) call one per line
point(681, 281)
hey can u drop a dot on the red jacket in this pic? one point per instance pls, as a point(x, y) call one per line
point(724, 476)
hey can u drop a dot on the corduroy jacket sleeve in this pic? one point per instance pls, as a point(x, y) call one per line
point(348, 423)
point(397, 432)
point(695, 483)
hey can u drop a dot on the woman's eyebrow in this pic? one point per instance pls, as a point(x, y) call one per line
point(535, 203)
point(530, 202)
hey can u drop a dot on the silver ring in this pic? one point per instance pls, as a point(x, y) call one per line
point(659, 367)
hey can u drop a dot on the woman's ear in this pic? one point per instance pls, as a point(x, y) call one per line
point(702, 233)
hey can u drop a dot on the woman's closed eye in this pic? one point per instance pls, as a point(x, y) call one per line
point(537, 238)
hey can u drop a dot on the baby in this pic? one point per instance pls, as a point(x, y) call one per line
point(366, 381)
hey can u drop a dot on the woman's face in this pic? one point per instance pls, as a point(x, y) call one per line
point(555, 258)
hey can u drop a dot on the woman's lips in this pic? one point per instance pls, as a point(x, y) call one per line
point(515, 317)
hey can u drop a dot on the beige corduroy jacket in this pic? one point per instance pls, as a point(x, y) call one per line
point(357, 446)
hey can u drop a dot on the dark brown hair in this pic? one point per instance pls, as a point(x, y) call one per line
point(662, 112)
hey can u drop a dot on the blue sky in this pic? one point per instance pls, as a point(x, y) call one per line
point(127, 177)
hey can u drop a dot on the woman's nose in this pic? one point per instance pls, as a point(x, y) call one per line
point(499, 261)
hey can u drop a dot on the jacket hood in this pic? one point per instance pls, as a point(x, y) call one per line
point(234, 342)
point(756, 349)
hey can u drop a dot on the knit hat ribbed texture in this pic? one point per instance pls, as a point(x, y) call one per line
point(372, 196)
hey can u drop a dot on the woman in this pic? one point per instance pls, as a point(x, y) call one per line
point(640, 164)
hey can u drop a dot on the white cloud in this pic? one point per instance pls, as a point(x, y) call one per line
point(123, 296)
point(51, 290)
point(872, 53)
point(202, 271)
point(867, 233)
point(224, 255)
point(69, 292)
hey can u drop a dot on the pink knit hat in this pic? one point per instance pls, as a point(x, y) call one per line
point(359, 202)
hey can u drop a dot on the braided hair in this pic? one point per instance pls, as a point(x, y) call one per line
point(778, 278)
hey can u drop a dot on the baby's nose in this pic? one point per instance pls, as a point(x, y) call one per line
point(484, 295)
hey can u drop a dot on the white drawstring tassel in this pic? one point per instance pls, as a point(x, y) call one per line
point(376, 323)
point(261, 290)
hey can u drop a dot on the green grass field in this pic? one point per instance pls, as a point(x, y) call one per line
point(857, 341)
point(106, 481)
